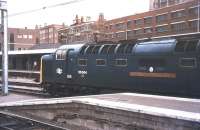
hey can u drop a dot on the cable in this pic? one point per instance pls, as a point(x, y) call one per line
point(45, 7)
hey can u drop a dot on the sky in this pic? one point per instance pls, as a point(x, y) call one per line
point(66, 14)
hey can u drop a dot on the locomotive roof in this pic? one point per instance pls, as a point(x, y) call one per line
point(155, 47)
point(76, 47)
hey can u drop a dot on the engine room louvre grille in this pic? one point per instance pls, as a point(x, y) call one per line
point(129, 48)
point(105, 49)
point(180, 46)
point(89, 49)
point(111, 49)
point(83, 50)
point(82, 62)
point(96, 49)
point(152, 62)
point(191, 46)
point(121, 49)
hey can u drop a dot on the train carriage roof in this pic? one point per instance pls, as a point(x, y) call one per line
point(155, 47)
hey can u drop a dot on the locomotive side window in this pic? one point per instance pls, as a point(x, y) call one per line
point(100, 62)
point(60, 54)
point(82, 62)
point(121, 62)
point(188, 62)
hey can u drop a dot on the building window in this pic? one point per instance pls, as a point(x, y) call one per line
point(100, 62)
point(121, 62)
point(138, 22)
point(193, 11)
point(130, 34)
point(129, 24)
point(12, 38)
point(178, 14)
point(180, 27)
point(82, 62)
point(111, 27)
point(162, 29)
point(120, 26)
point(193, 24)
point(163, 3)
point(138, 32)
point(148, 30)
point(25, 36)
point(148, 20)
point(120, 35)
point(30, 36)
point(19, 36)
point(162, 18)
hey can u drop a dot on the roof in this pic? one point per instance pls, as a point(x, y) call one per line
point(25, 52)
point(45, 46)
point(155, 47)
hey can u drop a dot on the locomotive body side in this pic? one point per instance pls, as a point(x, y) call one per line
point(165, 67)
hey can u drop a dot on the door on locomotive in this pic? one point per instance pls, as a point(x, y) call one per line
point(60, 65)
point(63, 65)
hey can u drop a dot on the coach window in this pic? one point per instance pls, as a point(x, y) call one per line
point(188, 62)
point(121, 62)
point(82, 62)
point(60, 54)
point(100, 62)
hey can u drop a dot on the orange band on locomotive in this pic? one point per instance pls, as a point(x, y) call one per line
point(152, 75)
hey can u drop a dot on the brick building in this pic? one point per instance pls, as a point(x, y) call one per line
point(182, 18)
point(49, 33)
point(82, 30)
point(22, 38)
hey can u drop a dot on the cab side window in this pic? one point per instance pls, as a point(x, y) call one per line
point(60, 54)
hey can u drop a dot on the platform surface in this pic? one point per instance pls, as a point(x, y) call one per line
point(173, 107)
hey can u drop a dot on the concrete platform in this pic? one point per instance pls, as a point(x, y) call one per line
point(14, 97)
point(121, 111)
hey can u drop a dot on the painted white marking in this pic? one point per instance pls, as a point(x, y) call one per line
point(59, 71)
point(151, 69)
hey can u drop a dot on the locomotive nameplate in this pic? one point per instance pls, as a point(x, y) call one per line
point(152, 75)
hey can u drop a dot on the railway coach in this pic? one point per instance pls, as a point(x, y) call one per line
point(169, 67)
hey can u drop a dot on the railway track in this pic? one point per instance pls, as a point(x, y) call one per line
point(35, 91)
point(26, 86)
point(14, 122)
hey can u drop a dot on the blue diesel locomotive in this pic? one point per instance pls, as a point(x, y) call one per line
point(169, 67)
